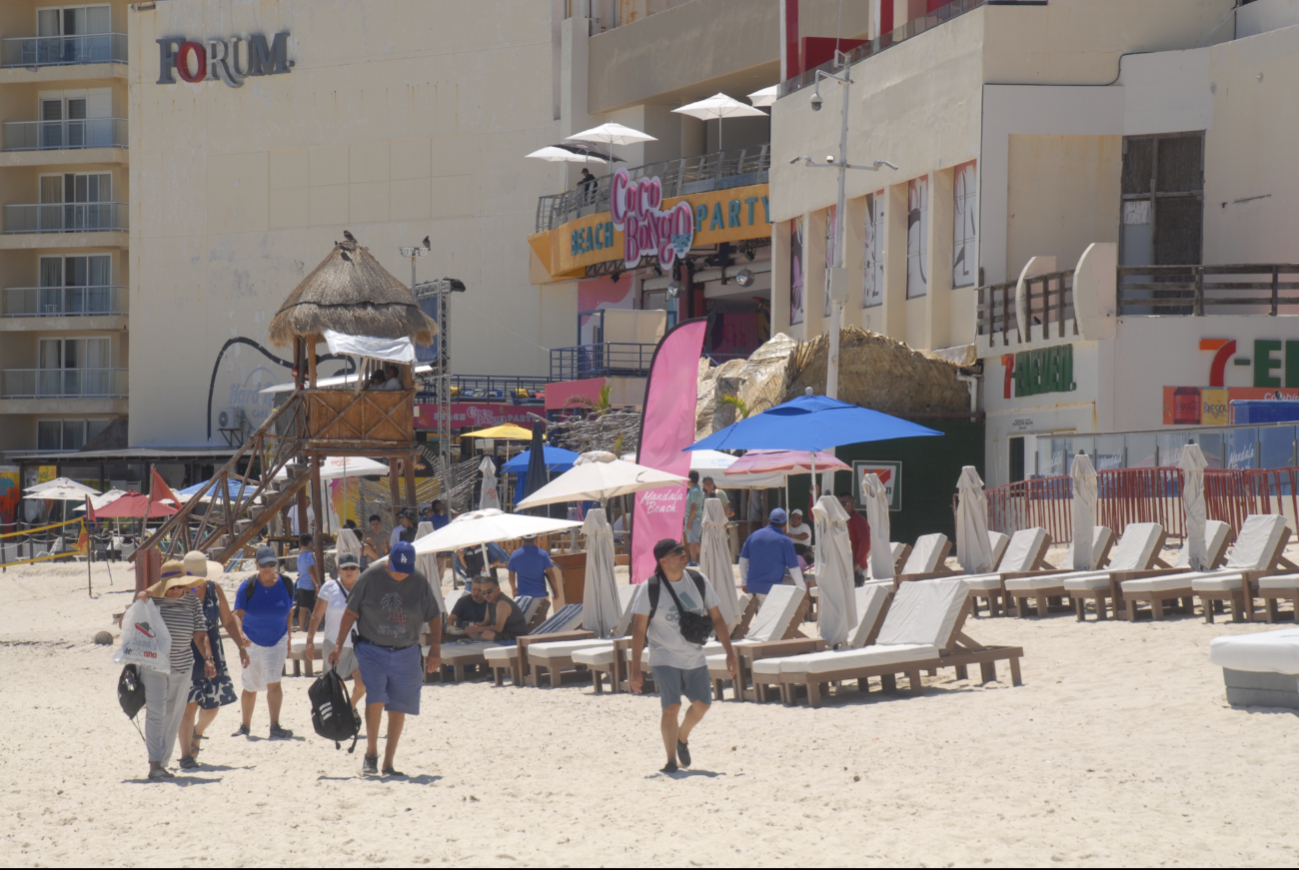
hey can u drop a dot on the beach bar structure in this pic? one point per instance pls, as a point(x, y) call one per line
point(348, 293)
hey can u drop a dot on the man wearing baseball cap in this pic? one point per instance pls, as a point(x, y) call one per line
point(390, 605)
point(767, 555)
point(264, 611)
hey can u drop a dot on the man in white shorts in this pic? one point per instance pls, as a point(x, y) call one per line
point(264, 610)
point(330, 604)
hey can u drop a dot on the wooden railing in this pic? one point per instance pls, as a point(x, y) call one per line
point(1255, 288)
point(1049, 309)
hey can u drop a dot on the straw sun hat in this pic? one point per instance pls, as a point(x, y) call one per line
point(194, 570)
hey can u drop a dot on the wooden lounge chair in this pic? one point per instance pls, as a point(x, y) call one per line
point(1026, 552)
point(927, 560)
point(458, 655)
point(563, 626)
point(1043, 586)
point(997, 544)
point(1276, 588)
point(1136, 554)
point(922, 631)
point(1256, 553)
point(901, 552)
point(873, 599)
point(778, 618)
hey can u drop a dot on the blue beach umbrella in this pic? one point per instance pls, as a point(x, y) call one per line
point(811, 423)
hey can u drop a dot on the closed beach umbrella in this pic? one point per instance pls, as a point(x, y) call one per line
point(347, 542)
point(427, 564)
point(600, 599)
point(837, 605)
point(715, 560)
point(489, 498)
point(538, 473)
point(1083, 479)
point(973, 550)
point(877, 514)
point(1192, 466)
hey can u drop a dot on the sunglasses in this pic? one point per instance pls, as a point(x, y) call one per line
point(679, 551)
point(350, 568)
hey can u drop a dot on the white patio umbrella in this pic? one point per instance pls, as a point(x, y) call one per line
point(600, 598)
point(552, 154)
point(611, 134)
point(489, 499)
point(877, 515)
point(482, 527)
point(427, 564)
point(715, 560)
point(973, 550)
point(59, 489)
point(719, 106)
point(1083, 479)
point(1193, 466)
point(711, 460)
point(335, 467)
point(347, 542)
point(597, 476)
point(765, 97)
point(101, 501)
point(837, 604)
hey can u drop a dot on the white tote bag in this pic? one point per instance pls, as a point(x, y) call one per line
point(145, 639)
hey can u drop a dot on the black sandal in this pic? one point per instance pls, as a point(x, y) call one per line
point(194, 747)
point(388, 771)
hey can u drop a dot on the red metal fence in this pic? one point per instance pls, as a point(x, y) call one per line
point(1144, 495)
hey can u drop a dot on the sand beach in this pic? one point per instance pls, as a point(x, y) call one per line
point(1119, 749)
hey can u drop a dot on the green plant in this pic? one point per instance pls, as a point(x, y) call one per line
point(741, 409)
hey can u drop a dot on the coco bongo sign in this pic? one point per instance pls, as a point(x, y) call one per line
point(230, 60)
point(635, 207)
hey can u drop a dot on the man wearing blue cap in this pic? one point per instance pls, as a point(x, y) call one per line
point(767, 555)
point(389, 605)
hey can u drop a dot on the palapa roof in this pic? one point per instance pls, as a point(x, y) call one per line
point(349, 292)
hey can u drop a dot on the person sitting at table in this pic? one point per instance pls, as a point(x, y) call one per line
point(504, 621)
point(471, 609)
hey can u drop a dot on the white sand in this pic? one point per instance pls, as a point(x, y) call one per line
point(1119, 749)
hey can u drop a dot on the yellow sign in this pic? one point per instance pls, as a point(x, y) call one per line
point(732, 215)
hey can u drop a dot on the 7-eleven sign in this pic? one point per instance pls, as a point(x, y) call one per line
point(890, 474)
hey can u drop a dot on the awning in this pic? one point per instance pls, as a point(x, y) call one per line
point(401, 350)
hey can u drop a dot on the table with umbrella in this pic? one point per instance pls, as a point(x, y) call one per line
point(717, 108)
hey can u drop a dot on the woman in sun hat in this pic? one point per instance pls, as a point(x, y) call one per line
point(165, 694)
point(208, 695)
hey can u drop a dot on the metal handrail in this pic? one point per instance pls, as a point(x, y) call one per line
point(884, 41)
point(719, 170)
point(623, 359)
point(63, 383)
point(98, 300)
point(65, 135)
point(66, 217)
point(37, 51)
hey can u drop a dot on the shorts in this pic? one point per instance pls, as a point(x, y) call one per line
point(392, 677)
point(305, 599)
point(672, 683)
point(695, 532)
point(346, 660)
point(265, 665)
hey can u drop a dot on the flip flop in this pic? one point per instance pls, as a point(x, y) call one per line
point(388, 771)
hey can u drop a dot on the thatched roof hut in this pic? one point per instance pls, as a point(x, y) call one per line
point(350, 292)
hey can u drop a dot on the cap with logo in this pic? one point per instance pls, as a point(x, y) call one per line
point(402, 558)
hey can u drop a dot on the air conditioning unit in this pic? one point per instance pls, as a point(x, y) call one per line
point(230, 418)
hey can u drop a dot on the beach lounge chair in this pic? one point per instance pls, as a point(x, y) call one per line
point(1026, 552)
point(901, 552)
point(459, 655)
point(1259, 669)
point(1043, 586)
point(873, 600)
point(1275, 588)
point(997, 544)
point(563, 626)
point(778, 618)
point(928, 559)
point(1135, 555)
point(922, 631)
point(1257, 553)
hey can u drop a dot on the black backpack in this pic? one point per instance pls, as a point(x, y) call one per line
point(332, 714)
point(130, 694)
point(693, 627)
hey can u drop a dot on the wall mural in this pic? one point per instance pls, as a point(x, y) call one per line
point(965, 253)
point(873, 261)
point(917, 236)
point(796, 271)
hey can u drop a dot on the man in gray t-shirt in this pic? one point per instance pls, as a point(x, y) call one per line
point(390, 605)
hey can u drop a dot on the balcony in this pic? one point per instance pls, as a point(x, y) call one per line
point(1255, 288)
point(102, 301)
point(65, 135)
point(80, 217)
point(707, 172)
point(63, 384)
point(44, 51)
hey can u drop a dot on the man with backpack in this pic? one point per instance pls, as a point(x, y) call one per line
point(676, 610)
point(264, 610)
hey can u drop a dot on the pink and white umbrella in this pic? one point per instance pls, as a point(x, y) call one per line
point(787, 462)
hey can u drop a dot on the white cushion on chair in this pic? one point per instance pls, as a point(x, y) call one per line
point(1023, 551)
point(924, 557)
point(1280, 581)
point(828, 662)
point(563, 649)
point(923, 612)
point(1257, 542)
point(502, 654)
point(1029, 584)
point(477, 649)
point(1086, 581)
point(1166, 583)
point(776, 614)
point(983, 582)
point(1275, 652)
point(1227, 582)
point(595, 656)
point(1136, 548)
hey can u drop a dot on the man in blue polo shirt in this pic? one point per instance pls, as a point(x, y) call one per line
point(530, 567)
point(767, 555)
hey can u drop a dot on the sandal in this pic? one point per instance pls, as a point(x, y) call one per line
point(388, 771)
point(194, 747)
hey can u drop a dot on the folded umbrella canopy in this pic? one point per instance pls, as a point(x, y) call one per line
point(1083, 480)
point(600, 597)
point(488, 496)
point(715, 560)
point(973, 549)
point(811, 423)
point(427, 564)
point(836, 605)
point(597, 476)
point(877, 517)
point(1192, 465)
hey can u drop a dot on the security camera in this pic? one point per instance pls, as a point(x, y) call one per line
point(816, 102)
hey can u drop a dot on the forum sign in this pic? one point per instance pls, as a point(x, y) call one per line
point(229, 60)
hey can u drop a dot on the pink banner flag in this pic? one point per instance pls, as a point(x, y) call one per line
point(667, 428)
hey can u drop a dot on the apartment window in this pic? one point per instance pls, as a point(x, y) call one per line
point(965, 231)
point(76, 285)
point(74, 353)
point(77, 187)
point(67, 434)
point(73, 20)
point(917, 237)
point(1163, 200)
point(873, 259)
point(76, 119)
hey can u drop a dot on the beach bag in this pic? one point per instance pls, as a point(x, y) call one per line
point(130, 691)
point(694, 628)
point(145, 639)
point(331, 710)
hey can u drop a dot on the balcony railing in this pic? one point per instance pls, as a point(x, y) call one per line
point(611, 359)
point(1048, 309)
point(1256, 288)
point(35, 51)
point(885, 41)
point(64, 301)
point(68, 217)
point(63, 383)
point(717, 171)
point(65, 135)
